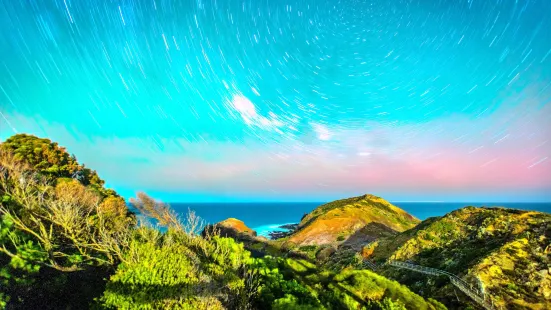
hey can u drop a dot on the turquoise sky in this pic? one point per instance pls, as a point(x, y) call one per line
point(288, 100)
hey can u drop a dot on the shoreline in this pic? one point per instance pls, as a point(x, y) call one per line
point(275, 231)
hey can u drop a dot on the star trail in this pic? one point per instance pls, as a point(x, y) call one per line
point(288, 100)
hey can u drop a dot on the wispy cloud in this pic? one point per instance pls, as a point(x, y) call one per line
point(414, 159)
point(247, 111)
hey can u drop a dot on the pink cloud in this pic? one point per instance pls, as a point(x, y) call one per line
point(438, 156)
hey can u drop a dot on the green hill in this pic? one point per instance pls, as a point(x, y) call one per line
point(505, 251)
point(353, 221)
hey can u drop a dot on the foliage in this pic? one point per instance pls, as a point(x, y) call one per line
point(278, 290)
point(4, 300)
point(63, 223)
point(180, 271)
point(62, 234)
point(51, 160)
point(501, 250)
point(299, 284)
point(309, 250)
point(156, 210)
point(51, 224)
point(388, 304)
point(367, 285)
point(343, 259)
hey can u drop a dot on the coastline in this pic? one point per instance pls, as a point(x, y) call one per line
point(267, 230)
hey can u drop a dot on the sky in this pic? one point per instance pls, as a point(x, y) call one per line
point(274, 100)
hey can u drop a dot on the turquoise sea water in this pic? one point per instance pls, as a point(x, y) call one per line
point(266, 217)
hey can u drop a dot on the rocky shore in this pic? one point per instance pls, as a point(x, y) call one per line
point(290, 228)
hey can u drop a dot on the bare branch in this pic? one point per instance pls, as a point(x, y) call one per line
point(157, 210)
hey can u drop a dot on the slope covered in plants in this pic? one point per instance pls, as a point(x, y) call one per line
point(60, 228)
point(504, 251)
point(66, 242)
point(358, 220)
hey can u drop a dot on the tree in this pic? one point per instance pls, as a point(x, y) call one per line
point(49, 159)
point(56, 232)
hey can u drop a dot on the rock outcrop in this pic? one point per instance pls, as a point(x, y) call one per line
point(231, 227)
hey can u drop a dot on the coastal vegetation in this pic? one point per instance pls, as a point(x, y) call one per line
point(505, 252)
point(502, 253)
point(68, 240)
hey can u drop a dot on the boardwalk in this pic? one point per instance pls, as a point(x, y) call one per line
point(482, 299)
point(369, 265)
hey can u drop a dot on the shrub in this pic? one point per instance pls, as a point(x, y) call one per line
point(154, 277)
point(50, 160)
point(278, 288)
point(308, 248)
point(291, 302)
point(179, 271)
point(52, 232)
point(368, 285)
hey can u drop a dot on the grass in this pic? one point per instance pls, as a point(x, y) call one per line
point(338, 220)
point(504, 249)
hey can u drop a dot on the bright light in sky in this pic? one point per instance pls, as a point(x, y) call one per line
point(297, 100)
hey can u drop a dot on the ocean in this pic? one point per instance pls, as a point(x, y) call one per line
point(266, 217)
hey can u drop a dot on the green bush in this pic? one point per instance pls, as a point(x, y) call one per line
point(308, 248)
point(367, 285)
point(389, 304)
point(297, 284)
point(278, 288)
point(291, 302)
point(178, 271)
point(53, 239)
point(50, 159)
point(4, 301)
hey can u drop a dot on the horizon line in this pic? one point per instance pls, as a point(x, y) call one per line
point(405, 201)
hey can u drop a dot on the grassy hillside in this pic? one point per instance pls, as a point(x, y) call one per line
point(318, 288)
point(354, 221)
point(505, 251)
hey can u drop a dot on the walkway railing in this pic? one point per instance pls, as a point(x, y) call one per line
point(481, 298)
point(370, 265)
